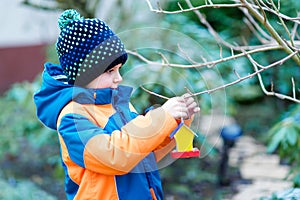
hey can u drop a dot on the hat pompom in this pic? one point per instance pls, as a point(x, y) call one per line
point(68, 17)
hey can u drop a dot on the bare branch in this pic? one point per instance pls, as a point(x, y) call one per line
point(251, 8)
point(262, 11)
point(214, 33)
point(254, 31)
point(255, 24)
point(208, 64)
point(164, 59)
point(186, 55)
point(279, 62)
point(272, 86)
point(179, 5)
point(236, 73)
point(271, 30)
point(134, 53)
point(294, 89)
point(49, 6)
point(221, 52)
point(257, 21)
point(257, 72)
point(294, 30)
point(285, 17)
point(188, 91)
point(272, 93)
point(283, 23)
point(240, 79)
point(209, 2)
point(153, 93)
point(210, 5)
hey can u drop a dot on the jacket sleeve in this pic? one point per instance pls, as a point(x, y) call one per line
point(114, 153)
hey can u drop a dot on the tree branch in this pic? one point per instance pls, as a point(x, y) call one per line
point(272, 93)
point(271, 30)
point(211, 5)
point(255, 24)
point(208, 64)
point(240, 79)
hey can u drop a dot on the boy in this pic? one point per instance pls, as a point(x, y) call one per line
point(108, 151)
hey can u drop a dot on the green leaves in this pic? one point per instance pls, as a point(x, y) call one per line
point(20, 127)
point(282, 135)
point(285, 139)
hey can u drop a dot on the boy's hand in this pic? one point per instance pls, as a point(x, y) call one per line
point(176, 107)
point(191, 105)
point(181, 107)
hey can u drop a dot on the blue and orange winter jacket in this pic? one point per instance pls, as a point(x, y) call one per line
point(108, 151)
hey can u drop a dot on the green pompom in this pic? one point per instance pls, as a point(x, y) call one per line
point(67, 17)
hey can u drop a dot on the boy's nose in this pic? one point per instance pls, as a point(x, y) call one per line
point(118, 78)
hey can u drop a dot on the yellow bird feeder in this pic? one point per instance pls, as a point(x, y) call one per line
point(184, 137)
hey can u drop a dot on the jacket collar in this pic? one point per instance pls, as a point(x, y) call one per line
point(118, 96)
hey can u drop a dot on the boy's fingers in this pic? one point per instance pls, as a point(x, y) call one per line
point(197, 109)
point(180, 99)
point(183, 109)
point(180, 105)
point(192, 105)
point(189, 101)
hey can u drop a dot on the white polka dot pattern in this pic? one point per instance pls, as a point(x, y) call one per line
point(87, 44)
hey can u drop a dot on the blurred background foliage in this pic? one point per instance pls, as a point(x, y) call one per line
point(272, 121)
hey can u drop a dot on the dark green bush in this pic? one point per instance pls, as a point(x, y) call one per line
point(284, 139)
point(23, 137)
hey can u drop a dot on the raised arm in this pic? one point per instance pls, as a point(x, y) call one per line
point(93, 148)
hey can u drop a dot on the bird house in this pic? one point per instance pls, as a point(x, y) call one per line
point(184, 138)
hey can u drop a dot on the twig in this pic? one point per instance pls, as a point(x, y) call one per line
point(254, 31)
point(279, 62)
point(255, 24)
point(142, 58)
point(221, 51)
point(294, 19)
point(46, 7)
point(272, 86)
point(179, 5)
point(294, 30)
point(188, 90)
point(209, 64)
point(211, 5)
point(256, 73)
point(283, 23)
point(211, 30)
point(271, 30)
point(236, 73)
point(262, 11)
point(186, 54)
point(164, 59)
point(294, 90)
point(272, 93)
point(153, 93)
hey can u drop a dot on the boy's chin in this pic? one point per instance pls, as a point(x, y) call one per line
point(114, 87)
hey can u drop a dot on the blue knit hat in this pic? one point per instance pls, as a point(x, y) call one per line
point(87, 47)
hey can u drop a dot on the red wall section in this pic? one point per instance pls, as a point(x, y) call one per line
point(18, 64)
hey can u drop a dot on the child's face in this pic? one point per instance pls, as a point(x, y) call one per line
point(109, 79)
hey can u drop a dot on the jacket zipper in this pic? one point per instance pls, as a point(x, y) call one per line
point(124, 121)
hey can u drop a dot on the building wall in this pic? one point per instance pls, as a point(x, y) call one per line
point(24, 33)
point(19, 64)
